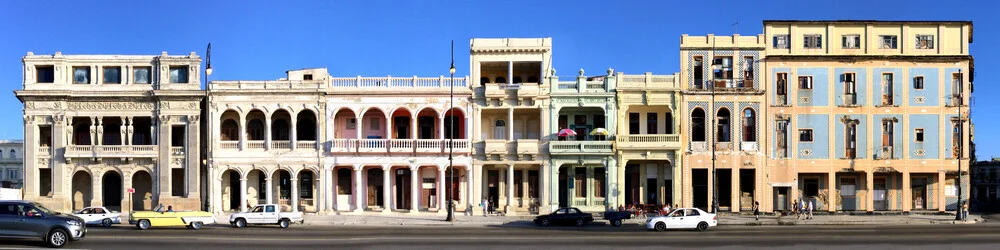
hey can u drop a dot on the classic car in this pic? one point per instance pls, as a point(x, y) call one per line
point(162, 217)
point(267, 214)
point(683, 218)
point(566, 215)
point(99, 216)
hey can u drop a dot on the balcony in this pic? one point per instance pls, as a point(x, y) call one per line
point(396, 83)
point(305, 145)
point(343, 145)
point(99, 151)
point(177, 151)
point(739, 85)
point(255, 144)
point(849, 100)
point(525, 146)
point(579, 85)
point(649, 141)
point(229, 144)
point(44, 150)
point(580, 147)
point(496, 147)
point(749, 146)
point(394, 145)
point(406, 145)
point(954, 101)
point(647, 81)
point(373, 145)
point(699, 146)
point(281, 145)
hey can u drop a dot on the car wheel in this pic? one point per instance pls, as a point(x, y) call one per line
point(57, 238)
point(660, 227)
point(240, 223)
point(143, 224)
point(546, 222)
point(196, 225)
point(702, 226)
point(283, 223)
point(579, 223)
point(106, 223)
point(616, 223)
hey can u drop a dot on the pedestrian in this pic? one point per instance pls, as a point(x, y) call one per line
point(795, 208)
point(802, 207)
point(486, 206)
point(756, 210)
point(810, 209)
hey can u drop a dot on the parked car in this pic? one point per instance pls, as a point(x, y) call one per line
point(683, 218)
point(616, 218)
point(99, 216)
point(30, 220)
point(267, 214)
point(566, 215)
point(160, 217)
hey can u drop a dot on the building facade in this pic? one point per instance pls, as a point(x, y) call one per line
point(11, 163)
point(864, 115)
point(97, 126)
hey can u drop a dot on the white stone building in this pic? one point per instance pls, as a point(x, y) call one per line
point(11, 163)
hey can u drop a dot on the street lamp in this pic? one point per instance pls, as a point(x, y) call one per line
point(715, 139)
point(451, 137)
point(958, 125)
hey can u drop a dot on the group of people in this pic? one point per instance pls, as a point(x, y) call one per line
point(803, 209)
point(638, 209)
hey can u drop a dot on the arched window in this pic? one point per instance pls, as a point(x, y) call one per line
point(484, 80)
point(500, 129)
point(255, 130)
point(749, 125)
point(724, 129)
point(698, 125)
point(230, 130)
point(500, 79)
point(280, 130)
point(517, 79)
point(13, 155)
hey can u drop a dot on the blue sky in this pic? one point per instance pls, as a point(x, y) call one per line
point(256, 40)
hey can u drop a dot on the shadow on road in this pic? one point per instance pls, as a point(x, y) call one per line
point(26, 243)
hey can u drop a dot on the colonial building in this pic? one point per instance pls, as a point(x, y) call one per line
point(865, 115)
point(11, 163)
point(723, 98)
point(99, 125)
point(511, 114)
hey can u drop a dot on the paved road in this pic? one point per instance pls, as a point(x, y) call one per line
point(980, 236)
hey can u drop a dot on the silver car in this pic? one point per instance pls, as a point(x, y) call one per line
point(30, 220)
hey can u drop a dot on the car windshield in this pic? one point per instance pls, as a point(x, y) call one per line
point(159, 208)
point(259, 209)
point(43, 209)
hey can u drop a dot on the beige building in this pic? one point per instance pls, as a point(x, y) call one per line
point(11, 163)
point(99, 125)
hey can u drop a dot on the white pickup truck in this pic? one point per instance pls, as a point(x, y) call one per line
point(265, 214)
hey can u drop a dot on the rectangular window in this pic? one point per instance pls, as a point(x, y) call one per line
point(887, 138)
point(925, 42)
point(599, 190)
point(599, 122)
point(651, 123)
point(112, 75)
point(850, 87)
point(918, 135)
point(81, 75)
point(805, 135)
point(724, 71)
point(669, 124)
point(633, 123)
point(141, 75)
point(307, 77)
point(178, 74)
point(812, 41)
point(851, 141)
point(918, 82)
point(887, 42)
point(780, 41)
point(698, 73)
point(782, 138)
point(852, 41)
point(580, 182)
point(782, 83)
point(887, 89)
point(352, 123)
point(45, 74)
point(805, 82)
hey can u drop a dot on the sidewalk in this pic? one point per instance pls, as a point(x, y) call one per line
point(915, 219)
point(381, 220)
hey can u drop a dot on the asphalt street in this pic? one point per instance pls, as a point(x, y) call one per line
point(979, 236)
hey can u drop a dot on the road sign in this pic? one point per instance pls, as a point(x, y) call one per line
point(131, 190)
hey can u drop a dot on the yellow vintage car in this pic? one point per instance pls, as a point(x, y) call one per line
point(160, 217)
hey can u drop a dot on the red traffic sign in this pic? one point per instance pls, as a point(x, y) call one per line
point(131, 190)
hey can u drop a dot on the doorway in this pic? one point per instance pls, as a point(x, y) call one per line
point(919, 191)
point(699, 179)
point(879, 195)
point(848, 192)
point(747, 188)
point(493, 188)
point(563, 188)
point(403, 188)
point(631, 184)
point(781, 198)
point(725, 179)
point(375, 194)
point(112, 190)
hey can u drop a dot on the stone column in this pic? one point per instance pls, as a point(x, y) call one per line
point(510, 190)
point(588, 182)
point(293, 133)
point(832, 196)
point(100, 130)
point(357, 184)
point(413, 127)
point(123, 131)
point(319, 197)
point(470, 193)
point(295, 192)
point(192, 154)
point(870, 197)
point(267, 132)
point(96, 193)
point(243, 194)
point(940, 199)
point(510, 124)
point(441, 192)
point(545, 181)
point(415, 188)
point(31, 165)
point(267, 190)
point(441, 127)
point(388, 127)
point(907, 192)
point(386, 189)
point(358, 125)
point(620, 195)
point(93, 131)
point(243, 131)
point(331, 188)
point(129, 131)
point(735, 190)
point(163, 161)
point(152, 130)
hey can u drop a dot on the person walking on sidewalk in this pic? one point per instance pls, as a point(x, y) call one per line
point(809, 209)
point(486, 207)
point(756, 210)
point(795, 208)
point(802, 208)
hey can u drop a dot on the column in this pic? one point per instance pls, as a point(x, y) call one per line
point(510, 190)
point(31, 166)
point(295, 192)
point(441, 127)
point(163, 164)
point(470, 201)
point(386, 189)
point(319, 196)
point(413, 126)
point(907, 192)
point(510, 123)
point(510, 72)
point(331, 189)
point(267, 190)
point(620, 186)
point(735, 191)
point(870, 198)
point(414, 188)
point(358, 125)
point(832, 192)
point(294, 133)
point(267, 132)
point(243, 194)
point(243, 131)
point(441, 192)
point(96, 194)
point(545, 181)
point(192, 154)
point(130, 131)
point(940, 192)
point(357, 184)
point(152, 130)
point(99, 129)
point(388, 127)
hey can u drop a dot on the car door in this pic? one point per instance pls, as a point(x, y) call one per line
point(560, 216)
point(32, 223)
point(674, 219)
point(692, 218)
point(7, 218)
point(270, 215)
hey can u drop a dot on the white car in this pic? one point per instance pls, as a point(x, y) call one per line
point(683, 218)
point(267, 214)
point(99, 216)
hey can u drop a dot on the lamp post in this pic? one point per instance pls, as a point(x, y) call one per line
point(958, 125)
point(715, 134)
point(208, 72)
point(451, 136)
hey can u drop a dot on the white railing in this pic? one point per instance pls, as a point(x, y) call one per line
point(397, 82)
point(44, 150)
point(255, 144)
point(580, 146)
point(647, 81)
point(311, 145)
point(229, 144)
point(176, 150)
point(372, 145)
point(401, 145)
point(110, 150)
point(649, 138)
point(429, 145)
point(343, 145)
point(281, 145)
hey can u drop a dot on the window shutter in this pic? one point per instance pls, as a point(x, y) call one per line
point(775, 41)
point(843, 41)
point(857, 41)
